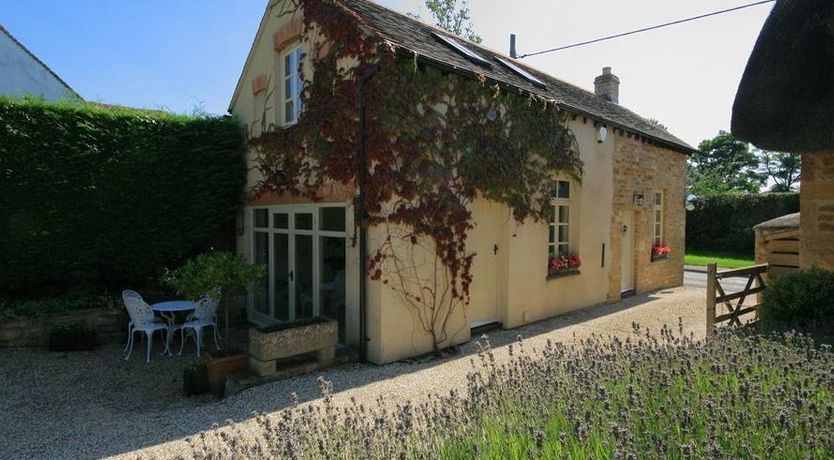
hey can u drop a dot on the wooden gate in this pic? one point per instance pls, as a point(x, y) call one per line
point(732, 306)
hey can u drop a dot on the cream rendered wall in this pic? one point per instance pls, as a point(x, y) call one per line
point(514, 279)
point(263, 61)
point(394, 331)
point(531, 296)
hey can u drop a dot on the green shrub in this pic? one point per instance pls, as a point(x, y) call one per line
point(109, 196)
point(724, 223)
point(805, 296)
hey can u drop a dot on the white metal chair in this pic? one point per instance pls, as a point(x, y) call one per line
point(141, 320)
point(205, 315)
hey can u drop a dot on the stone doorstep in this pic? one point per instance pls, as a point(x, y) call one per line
point(244, 380)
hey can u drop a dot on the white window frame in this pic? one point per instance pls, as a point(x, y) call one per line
point(316, 233)
point(554, 243)
point(293, 77)
point(658, 200)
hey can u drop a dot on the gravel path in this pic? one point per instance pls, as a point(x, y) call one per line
point(87, 405)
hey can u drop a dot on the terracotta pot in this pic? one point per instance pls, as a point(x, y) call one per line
point(221, 366)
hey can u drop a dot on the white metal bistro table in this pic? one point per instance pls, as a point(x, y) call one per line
point(168, 311)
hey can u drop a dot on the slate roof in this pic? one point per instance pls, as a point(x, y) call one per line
point(416, 37)
point(785, 100)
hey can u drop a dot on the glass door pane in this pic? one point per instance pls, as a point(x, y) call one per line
point(332, 281)
point(261, 244)
point(281, 268)
point(303, 276)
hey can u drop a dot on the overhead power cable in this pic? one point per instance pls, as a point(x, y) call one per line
point(645, 29)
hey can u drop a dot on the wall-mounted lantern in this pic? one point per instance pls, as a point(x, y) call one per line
point(639, 199)
point(690, 202)
point(602, 133)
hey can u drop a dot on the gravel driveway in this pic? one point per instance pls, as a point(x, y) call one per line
point(84, 405)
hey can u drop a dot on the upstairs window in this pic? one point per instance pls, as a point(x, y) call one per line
point(292, 84)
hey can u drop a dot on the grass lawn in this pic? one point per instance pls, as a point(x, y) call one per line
point(723, 260)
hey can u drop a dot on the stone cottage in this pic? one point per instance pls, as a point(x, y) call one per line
point(625, 218)
point(785, 102)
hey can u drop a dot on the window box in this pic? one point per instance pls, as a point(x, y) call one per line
point(563, 273)
point(559, 266)
point(660, 251)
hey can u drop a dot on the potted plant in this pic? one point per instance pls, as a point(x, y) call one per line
point(72, 337)
point(229, 273)
point(195, 378)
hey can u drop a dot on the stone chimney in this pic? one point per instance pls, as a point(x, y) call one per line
point(607, 86)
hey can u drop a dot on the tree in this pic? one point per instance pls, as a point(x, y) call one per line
point(724, 164)
point(209, 272)
point(781, 168)
point(453, 17)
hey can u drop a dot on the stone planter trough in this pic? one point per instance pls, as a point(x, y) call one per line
point(268, 344)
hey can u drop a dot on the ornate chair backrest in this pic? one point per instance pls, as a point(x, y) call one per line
point(139, 310)
point(207, 307)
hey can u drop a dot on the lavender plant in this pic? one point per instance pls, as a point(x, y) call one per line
point(648, 396)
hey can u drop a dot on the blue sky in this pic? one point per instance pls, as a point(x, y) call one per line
point(170, 54)
point(180, 54)
point(149, 53)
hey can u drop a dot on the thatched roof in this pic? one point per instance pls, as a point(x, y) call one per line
point(786, 221)
point(786, 97)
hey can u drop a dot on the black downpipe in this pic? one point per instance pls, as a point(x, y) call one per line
point(363, 216)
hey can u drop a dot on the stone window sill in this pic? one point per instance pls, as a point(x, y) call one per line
point(563, 273)
point(661, 257)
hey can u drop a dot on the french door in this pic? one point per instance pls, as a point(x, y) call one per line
point(303, 248)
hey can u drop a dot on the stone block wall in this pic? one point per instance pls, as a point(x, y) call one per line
point(817, 210)
point(33, 331)
point(642, 168)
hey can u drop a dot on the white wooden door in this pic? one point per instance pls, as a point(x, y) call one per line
point(485, 240)
point(627, 261)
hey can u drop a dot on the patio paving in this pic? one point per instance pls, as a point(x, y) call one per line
point(94, 404)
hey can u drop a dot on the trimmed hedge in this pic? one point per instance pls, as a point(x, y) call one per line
point(724, 223)
point(99, 195)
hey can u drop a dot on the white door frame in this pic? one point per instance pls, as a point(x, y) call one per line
point(291, 231)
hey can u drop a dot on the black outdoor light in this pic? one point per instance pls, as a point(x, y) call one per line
point(639, 199)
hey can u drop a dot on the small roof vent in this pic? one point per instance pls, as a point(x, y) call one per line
point(464, 51)
point(521, 72)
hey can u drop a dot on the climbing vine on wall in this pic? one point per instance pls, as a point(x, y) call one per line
point(434, 142)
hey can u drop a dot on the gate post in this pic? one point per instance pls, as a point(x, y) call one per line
point(712, 269)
